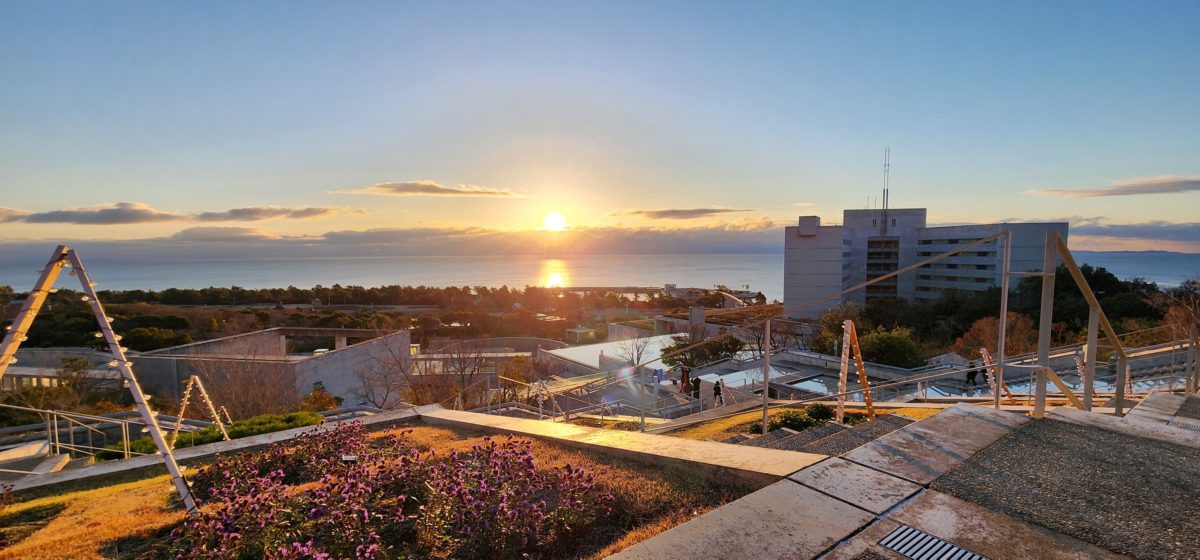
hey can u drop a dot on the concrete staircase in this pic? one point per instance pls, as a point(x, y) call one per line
point(829, 438)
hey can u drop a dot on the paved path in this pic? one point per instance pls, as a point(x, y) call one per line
point(827, 503)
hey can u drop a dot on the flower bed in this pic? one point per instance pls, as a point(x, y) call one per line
point(428, 492)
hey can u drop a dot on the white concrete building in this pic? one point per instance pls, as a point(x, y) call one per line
point(819, 260)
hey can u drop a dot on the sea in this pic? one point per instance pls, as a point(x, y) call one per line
point(755, 271)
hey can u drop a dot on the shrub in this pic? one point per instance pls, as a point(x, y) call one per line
point(264, 424)
point(819, 412)
point(791, 419)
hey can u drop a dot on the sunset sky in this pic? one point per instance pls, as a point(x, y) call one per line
point(458, 124)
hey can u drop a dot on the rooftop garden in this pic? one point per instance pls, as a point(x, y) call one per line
point(346, 493)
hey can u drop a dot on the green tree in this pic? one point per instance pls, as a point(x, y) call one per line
point(894, 348)
point(153, 338)
point(720, 347)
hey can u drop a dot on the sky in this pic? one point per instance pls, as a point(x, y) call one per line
point(461, 125)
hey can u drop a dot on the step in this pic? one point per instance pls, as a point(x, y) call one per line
point(1156, 409)
point(848, 440)
point(770, 437)
point(25, 451)
point(922, 451)
point(798, 441)
point(52, 464)
point(80, 463)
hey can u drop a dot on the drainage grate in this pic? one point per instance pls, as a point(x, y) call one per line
point(920, 545)
point(1186, 425)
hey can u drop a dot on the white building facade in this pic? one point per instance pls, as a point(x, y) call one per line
point(820, 260)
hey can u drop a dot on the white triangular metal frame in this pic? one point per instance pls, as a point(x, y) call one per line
point(195, 382)
point(62, 257)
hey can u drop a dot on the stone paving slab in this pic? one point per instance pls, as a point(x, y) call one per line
point(865, 488)
point(864, 546)
point(990, 533)
point(923, 451)
point(752, 466)
point(783, 520)
point(1159, 432)
point(1157, 408)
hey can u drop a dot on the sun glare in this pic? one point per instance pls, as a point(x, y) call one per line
point(554, 221)
point(554, 280)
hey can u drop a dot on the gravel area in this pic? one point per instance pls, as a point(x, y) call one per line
point(847, 440)
point(796, 442)
point(1190, 408)
point(1131, 495)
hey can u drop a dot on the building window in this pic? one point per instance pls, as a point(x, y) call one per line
point(893, 222)
point(874, 223)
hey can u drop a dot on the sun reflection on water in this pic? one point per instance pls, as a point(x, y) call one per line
point(554, 274)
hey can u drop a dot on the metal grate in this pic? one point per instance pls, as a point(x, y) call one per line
point(1186, 425)
point(919, 545)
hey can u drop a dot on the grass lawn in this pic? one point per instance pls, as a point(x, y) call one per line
point(722, 428)
point(132, 519)
point(102, 522)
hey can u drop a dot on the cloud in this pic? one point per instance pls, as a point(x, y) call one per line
point(1166, 184)
point(214, 234)
point(424, 187)
point(682, 213)
point(1155, 230)
point(12, 214)
point(259, 213)
point(119, 213)
point(123, 213)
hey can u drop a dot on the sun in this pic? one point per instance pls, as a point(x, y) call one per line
point(554, 221)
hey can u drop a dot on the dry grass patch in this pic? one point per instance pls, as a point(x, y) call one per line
point(92, 523)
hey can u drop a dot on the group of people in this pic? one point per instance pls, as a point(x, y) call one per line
point(691, 386)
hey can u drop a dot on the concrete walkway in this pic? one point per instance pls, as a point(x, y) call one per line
point(1166, 409)
point(825, 504)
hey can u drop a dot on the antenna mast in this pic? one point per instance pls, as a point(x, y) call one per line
point(887, 168)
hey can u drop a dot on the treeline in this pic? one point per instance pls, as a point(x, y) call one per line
point(962, 321)
point(453, 297)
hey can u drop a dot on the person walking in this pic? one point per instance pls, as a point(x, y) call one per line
point(718, 396)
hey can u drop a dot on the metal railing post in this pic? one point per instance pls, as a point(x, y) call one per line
point(1002, 343)
point(1089, 364)
point(1045, 321)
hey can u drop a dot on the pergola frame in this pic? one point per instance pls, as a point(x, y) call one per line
point(64, 257)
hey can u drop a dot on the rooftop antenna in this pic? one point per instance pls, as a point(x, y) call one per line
point(887, 169)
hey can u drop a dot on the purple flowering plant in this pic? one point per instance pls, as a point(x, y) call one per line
point(335, 493)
